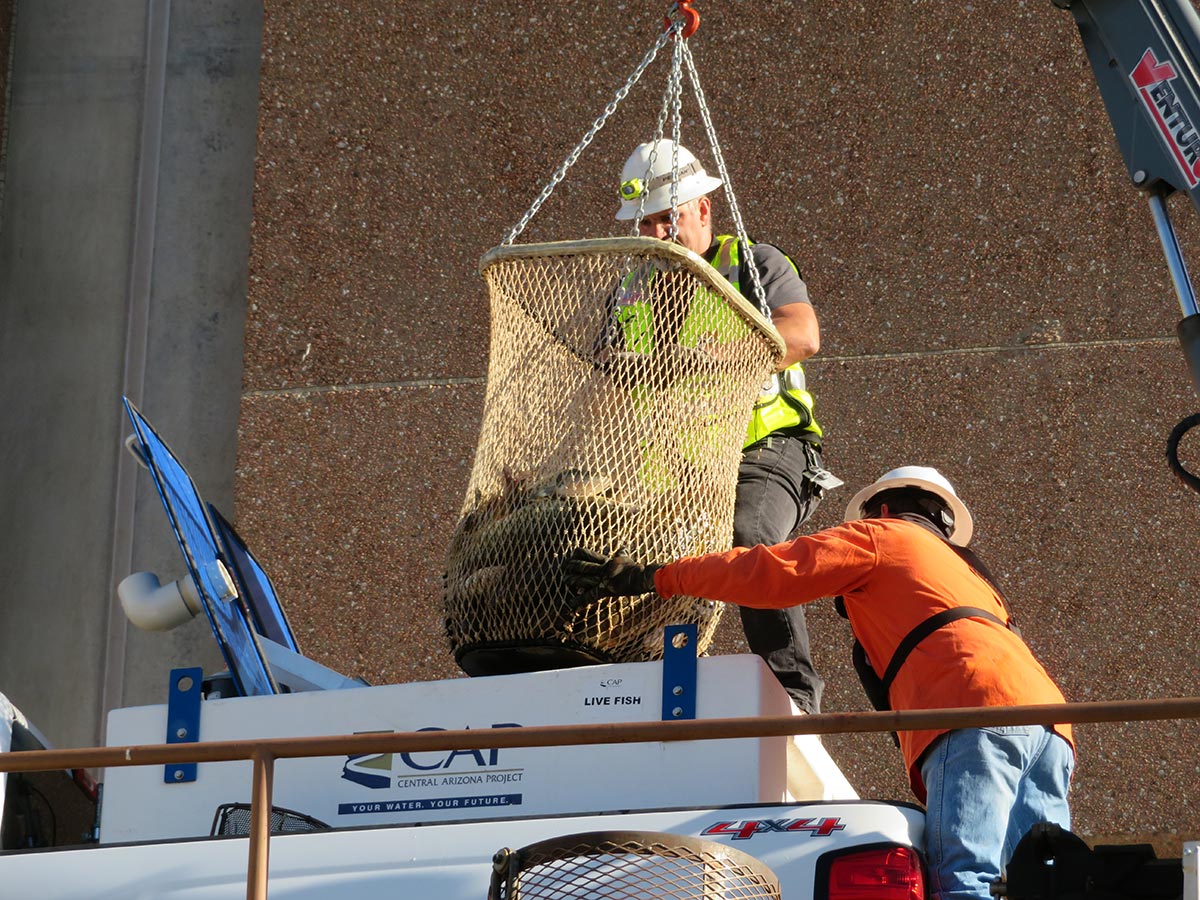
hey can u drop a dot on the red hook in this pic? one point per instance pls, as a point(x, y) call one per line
point(690, 17)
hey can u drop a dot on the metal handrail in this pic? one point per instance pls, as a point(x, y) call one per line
point(264, 752)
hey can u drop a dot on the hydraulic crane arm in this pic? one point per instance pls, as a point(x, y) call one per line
point(1145, 55)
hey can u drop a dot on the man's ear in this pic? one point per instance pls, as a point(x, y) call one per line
point(704, 208)
point(883, 511)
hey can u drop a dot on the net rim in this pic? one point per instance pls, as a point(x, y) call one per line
point(650, 247)
point(568, 845)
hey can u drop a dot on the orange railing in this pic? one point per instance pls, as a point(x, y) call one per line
point(264, 752)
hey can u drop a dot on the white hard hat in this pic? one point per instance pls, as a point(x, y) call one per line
point(639, 179)
point(926, 479)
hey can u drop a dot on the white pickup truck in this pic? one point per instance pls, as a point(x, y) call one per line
point(427, 824)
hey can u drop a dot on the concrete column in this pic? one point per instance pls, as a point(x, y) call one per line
point(124, 241)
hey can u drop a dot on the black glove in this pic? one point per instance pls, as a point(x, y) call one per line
point(592, 576)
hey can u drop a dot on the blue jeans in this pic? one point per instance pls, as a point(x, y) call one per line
point(987, 787)
point(774, 498)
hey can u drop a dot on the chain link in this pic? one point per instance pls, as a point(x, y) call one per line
point(558, 176)
point(675, 88)
point(659, 123)
point(740, 229)
point(672, 105)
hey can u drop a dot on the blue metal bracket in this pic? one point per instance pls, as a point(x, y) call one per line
point(183, 719)
point(679, 672)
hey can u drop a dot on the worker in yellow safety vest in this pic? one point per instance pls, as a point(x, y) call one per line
point(781, 478)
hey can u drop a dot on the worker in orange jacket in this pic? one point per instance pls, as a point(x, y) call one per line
point(900, 566)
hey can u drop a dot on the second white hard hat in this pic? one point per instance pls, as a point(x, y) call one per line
point(641, 179)
point(927, 479)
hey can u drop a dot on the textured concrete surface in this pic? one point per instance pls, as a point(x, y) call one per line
point(6, 22)
point(128, 174)
point(992, 296)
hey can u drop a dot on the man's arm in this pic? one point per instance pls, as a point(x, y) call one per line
point(807, 568)
point(812, 566)
point(786, 293)
point(797, 325)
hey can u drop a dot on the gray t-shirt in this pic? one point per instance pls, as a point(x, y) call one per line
point(781, 284)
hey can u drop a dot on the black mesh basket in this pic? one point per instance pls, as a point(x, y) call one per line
point(615, 865)
point(234, 819)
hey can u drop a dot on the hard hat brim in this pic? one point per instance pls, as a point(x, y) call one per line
point(691, 189)
point(964, 525)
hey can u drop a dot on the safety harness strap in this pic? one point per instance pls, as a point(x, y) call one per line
point(877, 687)
point(926, 628)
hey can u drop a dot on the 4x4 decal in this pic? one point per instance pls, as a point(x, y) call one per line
point(744, 830)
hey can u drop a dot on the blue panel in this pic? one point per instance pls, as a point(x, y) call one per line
point(230, 620)
point(253, 584)
point(679, 672)
point(183, 719)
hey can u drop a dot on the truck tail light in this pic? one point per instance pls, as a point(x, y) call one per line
point(881, 873)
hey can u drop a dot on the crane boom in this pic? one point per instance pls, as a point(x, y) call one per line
point(1145, 55)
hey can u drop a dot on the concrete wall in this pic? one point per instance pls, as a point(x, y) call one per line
point(123, 254)
point(992, 297)
point(6, 23)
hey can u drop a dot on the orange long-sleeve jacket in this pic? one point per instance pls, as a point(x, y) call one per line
point(893, 575)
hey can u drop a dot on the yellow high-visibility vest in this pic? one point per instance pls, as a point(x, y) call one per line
point(783, 401)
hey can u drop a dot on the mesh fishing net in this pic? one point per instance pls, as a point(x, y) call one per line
point(621, 379)
point(633, 865)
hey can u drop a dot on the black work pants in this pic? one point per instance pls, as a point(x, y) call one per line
point(774, 499)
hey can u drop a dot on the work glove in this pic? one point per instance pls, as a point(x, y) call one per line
point(592, 576)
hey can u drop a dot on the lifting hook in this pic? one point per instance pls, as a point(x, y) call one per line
point(691, 18)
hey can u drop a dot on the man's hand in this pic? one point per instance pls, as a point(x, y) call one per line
point(592, 576)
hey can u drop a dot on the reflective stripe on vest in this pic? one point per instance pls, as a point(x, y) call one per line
point(783, 401)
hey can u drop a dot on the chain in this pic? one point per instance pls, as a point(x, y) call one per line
point(675, 89)
point(658, 135)
point(558, 176)
point(740, 228)
point(672, 105)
